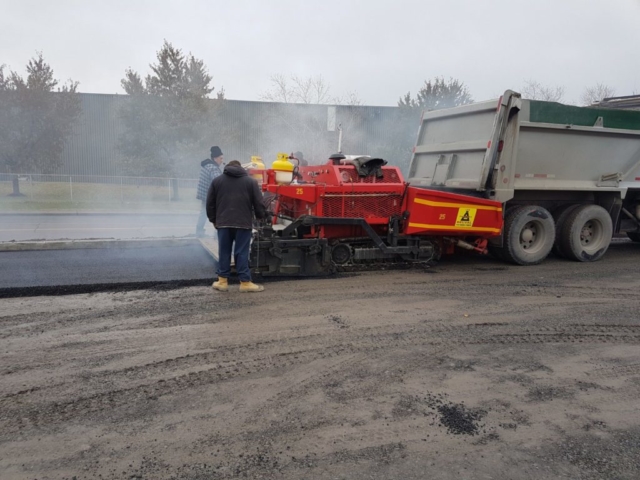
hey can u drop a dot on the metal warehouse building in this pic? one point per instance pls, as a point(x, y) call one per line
point(258, 128)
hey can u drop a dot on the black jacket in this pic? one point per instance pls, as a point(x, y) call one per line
point(233, 199)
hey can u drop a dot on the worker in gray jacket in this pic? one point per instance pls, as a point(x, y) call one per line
point(234, 198)
point(210, 168)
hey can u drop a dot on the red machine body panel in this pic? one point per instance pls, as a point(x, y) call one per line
point(432, 212)
point(337, 191)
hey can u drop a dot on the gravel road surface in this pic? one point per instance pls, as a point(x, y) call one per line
point(470, 370)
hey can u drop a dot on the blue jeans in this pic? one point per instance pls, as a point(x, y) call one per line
point(242, 239)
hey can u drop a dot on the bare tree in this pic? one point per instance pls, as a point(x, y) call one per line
point(309, 90)
point(351, 98)
point(597, 93)
point(308, 126)
point(280, 91)
point(536, 91)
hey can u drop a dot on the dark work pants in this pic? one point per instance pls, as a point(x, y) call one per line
point(226, 239)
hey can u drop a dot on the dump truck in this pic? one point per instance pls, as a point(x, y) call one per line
point(567, 177)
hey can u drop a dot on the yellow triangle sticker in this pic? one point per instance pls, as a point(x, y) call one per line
point(465, 217)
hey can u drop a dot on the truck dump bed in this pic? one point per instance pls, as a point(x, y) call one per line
point(497, 147)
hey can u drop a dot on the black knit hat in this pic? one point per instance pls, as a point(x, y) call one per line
point(216, 152)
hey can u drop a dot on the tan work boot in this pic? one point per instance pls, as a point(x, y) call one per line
point(250, 287)
point(222, 284)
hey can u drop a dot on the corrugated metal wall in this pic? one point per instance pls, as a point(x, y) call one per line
point(92, 148)
point(244, 128)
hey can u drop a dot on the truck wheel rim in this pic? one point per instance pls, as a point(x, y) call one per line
point(530, 238)
point(591, 235)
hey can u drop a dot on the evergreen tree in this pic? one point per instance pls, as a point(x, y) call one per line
point(36, 118)
point(169, 117)
point(437, 94)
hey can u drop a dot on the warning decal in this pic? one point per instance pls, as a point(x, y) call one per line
point(465, 217)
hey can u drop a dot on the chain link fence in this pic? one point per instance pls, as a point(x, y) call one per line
point(96, 189)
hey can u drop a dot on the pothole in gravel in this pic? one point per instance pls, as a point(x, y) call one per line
point(338, 321)
point(457, 418)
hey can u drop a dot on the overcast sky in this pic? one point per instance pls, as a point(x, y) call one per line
point(379, 49)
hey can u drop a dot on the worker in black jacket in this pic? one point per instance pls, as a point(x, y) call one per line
point(232, 200)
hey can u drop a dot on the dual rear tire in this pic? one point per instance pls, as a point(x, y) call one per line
point(578, 232)
point(584, 233)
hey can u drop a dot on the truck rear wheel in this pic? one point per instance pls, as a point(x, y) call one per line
point(586, 233)
point(560, 216)
point(529, 233)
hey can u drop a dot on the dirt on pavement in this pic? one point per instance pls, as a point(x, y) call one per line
point(473, 369)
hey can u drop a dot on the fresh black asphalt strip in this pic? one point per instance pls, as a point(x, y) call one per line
point(53, 272)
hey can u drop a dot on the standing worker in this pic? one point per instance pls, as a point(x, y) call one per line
point(233, 199)
point(299, 156)
point(209, 170)
point(301, 161)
